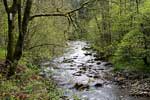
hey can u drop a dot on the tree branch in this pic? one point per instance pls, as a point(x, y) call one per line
point(45, 15)
point(6, 6)
point(62, 14)
point(46, 44)
point(82, 6)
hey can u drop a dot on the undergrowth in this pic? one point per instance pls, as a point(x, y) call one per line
point(26, 84)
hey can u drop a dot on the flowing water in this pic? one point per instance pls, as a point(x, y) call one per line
point(79, 73)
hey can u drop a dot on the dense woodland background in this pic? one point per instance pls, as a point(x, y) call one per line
point(118, 29)
point(32, 31)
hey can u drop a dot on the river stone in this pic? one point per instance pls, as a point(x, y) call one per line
point(96, 76)
point(86, 48)
point(64, 98)
point(96, 55)
point(90, 61)
point(88, 54)
point(100, 69)
point(89, 75)
point(81, 65)
point(98, 85)
point(108, 64)
point(80, 86)
point(77, 74)
point(72, 65)
point(98, 63)
point(67, 60)
point(75, 57)
point(98, 59)
point(83, 68)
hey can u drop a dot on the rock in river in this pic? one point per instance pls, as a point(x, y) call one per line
point(80, 86)
point(67, 60)
point(88, 54)
point(107, 64)
point(98, 85)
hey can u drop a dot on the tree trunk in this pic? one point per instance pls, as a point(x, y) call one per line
point(14, 54)
point(105, 23)
point(23, 30)
point(145, 58)
point(10, 45)
point(11, 12)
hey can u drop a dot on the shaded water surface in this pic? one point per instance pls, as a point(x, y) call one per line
point(79, 73)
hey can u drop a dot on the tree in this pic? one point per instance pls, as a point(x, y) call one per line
point(14, 53)
point(105, 22)
point(15, 50)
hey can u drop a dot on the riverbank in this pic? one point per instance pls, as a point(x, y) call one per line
point(136, 80)
point(27, 84)
point(138, 83)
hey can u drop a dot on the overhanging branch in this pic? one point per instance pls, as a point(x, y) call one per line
point(62, 14)
point(46, 15)
point(46, 44)
point(82, 6)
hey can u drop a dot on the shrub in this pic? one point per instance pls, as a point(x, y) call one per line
point(130, 51)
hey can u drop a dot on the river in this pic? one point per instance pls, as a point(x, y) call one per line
point(79, 73)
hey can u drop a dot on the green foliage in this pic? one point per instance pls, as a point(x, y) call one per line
point(145, 7)
point(28, 85)
point(2, 53)
point(120, 34)
point(130, 51)
point(45, 39)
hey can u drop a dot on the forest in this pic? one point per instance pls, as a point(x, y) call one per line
point(74, 49)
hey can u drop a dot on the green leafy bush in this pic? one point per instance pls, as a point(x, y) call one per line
point(130, 51)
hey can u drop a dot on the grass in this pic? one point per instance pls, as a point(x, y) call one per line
point(26, 84)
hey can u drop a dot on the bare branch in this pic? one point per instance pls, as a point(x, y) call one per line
point(46, 15)
point(62, 14)
point(46, 44)
point(82, 6)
